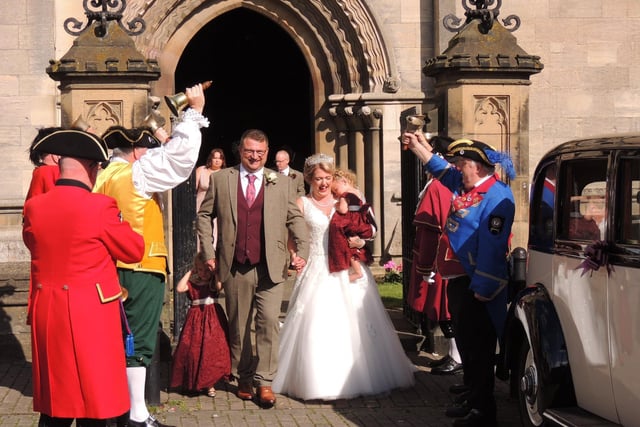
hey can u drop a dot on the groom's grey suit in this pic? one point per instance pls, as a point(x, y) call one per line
point(260, 284)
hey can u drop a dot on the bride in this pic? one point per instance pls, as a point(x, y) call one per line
point(337, 340)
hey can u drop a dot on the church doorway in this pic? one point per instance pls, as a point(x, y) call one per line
point(260, 80)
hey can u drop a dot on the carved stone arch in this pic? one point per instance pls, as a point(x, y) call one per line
point(339, 38)
point(101, 115)
point(349, 68)
point(491, 120)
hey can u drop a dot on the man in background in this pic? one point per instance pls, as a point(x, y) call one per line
point(282, 164)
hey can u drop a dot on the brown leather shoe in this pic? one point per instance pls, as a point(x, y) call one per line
point(245, 391)
point(266, 396)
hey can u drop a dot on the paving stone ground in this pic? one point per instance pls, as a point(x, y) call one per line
point(422, 405)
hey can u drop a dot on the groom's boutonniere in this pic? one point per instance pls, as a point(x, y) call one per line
point(292, 175)
point(271, 178)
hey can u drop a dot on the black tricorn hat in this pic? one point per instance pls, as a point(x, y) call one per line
point(73, 143)
point(470, 149)
point(440, 144)
point(481, 152)
point(36, 155)
point(118, 136)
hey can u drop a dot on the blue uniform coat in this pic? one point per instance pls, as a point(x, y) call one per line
point(479, 231)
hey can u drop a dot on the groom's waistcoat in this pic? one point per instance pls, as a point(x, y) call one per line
point(249, 232)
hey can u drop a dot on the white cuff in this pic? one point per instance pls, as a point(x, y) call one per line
point(195, 116)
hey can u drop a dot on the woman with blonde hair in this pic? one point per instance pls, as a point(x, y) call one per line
point(337, 341)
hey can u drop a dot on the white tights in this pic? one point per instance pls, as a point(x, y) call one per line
point(136, 378)
point(453, 351)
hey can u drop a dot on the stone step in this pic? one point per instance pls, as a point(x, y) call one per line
point(14, 270)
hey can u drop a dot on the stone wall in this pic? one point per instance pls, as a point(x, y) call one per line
point(27, 101)
point(589, 84)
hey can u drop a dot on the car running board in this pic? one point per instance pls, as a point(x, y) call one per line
point(574, 417)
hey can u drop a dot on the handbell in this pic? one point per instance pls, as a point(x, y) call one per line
point(415, 122)
point(178, 101)
point(154, 121)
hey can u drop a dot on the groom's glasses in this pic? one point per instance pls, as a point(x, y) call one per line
point(257, 153)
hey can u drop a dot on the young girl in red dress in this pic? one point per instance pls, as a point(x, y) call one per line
point(353, 217)
point(202, 356)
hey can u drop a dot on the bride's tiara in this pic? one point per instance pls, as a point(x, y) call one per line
point(318, 158)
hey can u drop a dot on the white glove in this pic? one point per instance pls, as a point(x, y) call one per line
point(430, 278)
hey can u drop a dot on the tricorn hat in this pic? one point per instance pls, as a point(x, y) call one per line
point(481, 152)
point(73, 143)
point(440, 144)
point(118, 136)
point(36, 155)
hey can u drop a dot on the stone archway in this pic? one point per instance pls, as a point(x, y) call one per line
point(339, 40)
point(352, 72)
point(260, 81)
point(356, 100)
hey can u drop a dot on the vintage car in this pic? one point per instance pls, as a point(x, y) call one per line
point(572, 344)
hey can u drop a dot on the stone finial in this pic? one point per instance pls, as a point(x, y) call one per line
point(101, 12)
point(484, 13)
point(471, 52)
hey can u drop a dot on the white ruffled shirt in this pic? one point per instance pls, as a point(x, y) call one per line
point(163, 168)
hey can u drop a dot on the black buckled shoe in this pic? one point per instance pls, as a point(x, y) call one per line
point(458, 411)
point(449, 368)
point(475, 418)
point(458, 388)
point(461, 398)
point(438, 362)
point(149, 422)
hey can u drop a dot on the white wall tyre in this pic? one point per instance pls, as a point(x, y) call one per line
point(529, 389)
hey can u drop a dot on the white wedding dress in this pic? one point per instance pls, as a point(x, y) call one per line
point(337, 340)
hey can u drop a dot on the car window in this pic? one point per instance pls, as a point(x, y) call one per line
point(582, 199)
point(628, 202)
point(541, 212)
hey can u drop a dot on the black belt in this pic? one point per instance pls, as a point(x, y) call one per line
point(243, 266)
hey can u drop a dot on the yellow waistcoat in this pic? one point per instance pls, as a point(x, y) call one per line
point(144, 216)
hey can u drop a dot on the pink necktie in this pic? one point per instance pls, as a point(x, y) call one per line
point(251, 190)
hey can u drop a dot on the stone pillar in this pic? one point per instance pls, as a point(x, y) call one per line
point(342, 137)
point(482, 79)
point(358, 148)
point(372, 118)
point(104, 79)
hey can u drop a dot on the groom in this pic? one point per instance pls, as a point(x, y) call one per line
point(256, 212)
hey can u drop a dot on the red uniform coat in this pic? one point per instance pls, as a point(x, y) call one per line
point(431, 253)
point(74, 236)
point(43, 179)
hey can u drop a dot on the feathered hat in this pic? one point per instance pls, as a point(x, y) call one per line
point(481, 152)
